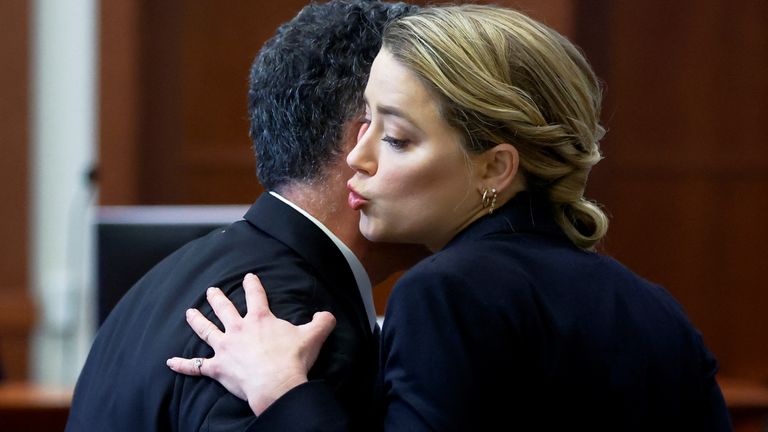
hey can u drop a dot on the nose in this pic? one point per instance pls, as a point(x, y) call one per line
point(362, 158)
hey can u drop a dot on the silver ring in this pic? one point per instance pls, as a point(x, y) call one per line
point(198, 362)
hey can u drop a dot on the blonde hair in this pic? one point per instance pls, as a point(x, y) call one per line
point(504, 78)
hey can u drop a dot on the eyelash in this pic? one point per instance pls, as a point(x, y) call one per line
point(396, 143)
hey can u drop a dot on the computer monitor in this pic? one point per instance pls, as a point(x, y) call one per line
point(132, 239)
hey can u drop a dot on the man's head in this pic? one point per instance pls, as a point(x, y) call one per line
point(306, 86)
point(305, 103)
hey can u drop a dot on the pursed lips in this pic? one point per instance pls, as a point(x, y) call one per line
point(355, 200)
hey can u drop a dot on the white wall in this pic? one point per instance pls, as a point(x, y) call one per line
point(63, 128)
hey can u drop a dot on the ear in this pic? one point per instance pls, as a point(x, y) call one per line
point(498, 167)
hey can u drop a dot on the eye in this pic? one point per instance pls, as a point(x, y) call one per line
point(395, 143)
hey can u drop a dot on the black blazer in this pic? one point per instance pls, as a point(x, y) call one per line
point(125, 384)
point(511, 327)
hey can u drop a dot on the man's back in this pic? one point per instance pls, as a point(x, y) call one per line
point(125, 384)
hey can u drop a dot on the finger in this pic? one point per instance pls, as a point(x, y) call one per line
point(255, 296)
point(205, 330)
point(193, 367)
point(222, 307)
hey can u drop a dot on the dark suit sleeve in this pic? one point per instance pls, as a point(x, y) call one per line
point(310, 407)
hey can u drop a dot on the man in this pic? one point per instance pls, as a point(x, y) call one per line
point(300, 238)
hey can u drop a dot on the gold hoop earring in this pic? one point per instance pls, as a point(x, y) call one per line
point(489, 199)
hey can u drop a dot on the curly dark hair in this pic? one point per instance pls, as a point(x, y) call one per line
point(308, 81)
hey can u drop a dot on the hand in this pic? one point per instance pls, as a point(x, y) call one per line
point(258, 357)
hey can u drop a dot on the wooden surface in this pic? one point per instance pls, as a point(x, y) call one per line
point(685, 175)
point(747, 402)
point(28, 407)
point(16, 311)
point(23, 395)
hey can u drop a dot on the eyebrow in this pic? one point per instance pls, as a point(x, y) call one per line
point(390, 110)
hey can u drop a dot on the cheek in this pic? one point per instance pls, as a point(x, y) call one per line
point(421, 177)
point(438, 193)
point(414, 191)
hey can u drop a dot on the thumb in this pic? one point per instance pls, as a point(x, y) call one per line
point(320, 327)
point(316, 332)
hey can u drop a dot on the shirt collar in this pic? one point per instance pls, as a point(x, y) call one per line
point(358, 271)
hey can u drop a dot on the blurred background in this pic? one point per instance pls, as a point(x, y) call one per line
point(141, 102)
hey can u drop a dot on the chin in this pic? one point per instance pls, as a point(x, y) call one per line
point(371, 233)
point(382, 237)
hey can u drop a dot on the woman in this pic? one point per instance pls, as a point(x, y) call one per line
point(481, 128)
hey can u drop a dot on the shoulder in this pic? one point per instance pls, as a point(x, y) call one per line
point(495, 260)
point(460, 282)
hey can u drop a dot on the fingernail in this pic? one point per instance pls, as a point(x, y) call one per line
point(250, 276)
point(210, 291)
point(189, 312)
point(169, 362)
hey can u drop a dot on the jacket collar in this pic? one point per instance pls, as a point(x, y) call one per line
point(524, 213)
point(293, 229)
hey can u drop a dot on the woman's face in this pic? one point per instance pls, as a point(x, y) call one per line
point(413, 182)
